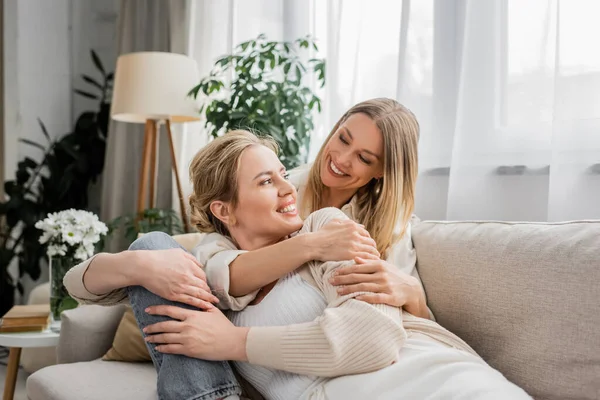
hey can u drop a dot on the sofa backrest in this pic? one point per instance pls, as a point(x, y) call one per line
point(189, 240)
point(525, 296)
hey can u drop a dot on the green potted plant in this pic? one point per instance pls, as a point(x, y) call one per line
point(262, 87)
point(59, 181)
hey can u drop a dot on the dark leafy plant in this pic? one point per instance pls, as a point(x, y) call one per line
point(149, 220)
point(262, 87)
point(69, 165)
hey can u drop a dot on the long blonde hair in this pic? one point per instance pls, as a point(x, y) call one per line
point(214, 172)
point(383, 203)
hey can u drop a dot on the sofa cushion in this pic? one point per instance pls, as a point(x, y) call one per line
point(523, 295)
point(94, 380)
point(128, 344)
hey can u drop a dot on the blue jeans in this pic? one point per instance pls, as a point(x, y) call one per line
point(179, 377)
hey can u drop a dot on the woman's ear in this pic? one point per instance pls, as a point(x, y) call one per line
point(379, 173)
point(222, 211)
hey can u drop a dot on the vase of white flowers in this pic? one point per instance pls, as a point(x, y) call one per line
point(70, 236)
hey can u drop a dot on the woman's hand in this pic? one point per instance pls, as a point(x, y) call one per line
point(208, 335)
point(343, 240)
point(175, 275)
point(387, 284)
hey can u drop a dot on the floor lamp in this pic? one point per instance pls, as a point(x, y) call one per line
point(151, 88)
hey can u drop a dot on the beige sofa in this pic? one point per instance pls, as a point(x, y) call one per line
point(525, 296)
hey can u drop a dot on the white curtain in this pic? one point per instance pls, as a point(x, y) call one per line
point(218, 26)
point(507, 92)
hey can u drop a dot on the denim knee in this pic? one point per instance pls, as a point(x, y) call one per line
point(154, 241)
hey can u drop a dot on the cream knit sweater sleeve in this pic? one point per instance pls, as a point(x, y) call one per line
point(73, 281)
point(216, 253)
point(350, 337)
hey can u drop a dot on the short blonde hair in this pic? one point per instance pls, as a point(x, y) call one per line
point(383, 203)
point(214, 176)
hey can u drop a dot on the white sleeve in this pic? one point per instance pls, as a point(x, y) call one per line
point(403, 255)
point(216, 253)
point(73, 282)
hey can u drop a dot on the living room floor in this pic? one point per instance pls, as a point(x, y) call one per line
point(20, 393)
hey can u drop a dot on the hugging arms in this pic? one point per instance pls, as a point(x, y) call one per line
point(366, 169)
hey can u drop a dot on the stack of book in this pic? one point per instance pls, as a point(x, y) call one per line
point(29, 318)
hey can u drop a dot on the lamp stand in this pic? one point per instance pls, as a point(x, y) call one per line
point(149, 160)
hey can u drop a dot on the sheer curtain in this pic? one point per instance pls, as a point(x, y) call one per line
point(526, 140)
point(219, 26)
point(507, 92)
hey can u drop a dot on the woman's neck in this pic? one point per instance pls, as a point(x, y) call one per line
point(337, 198)
point(250, 242)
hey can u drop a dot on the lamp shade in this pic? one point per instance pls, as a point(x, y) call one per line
point(154, 85)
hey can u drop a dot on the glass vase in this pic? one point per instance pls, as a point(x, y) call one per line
point(59, 297)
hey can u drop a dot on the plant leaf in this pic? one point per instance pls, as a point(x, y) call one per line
point(97, 62)
point(44, 130)
point(63, 144)
point(222, 62)
point(86, 94)
point(194, 91)
point(252, 97)
point(32, 143)
point(91, 81)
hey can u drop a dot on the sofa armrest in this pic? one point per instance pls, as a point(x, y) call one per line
point(87, 332)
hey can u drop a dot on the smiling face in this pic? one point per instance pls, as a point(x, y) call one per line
point(266, 201)
point(353, 155)
point(374, 139)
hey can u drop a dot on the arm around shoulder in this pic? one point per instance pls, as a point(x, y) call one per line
point(236, 275)
point(350, 336)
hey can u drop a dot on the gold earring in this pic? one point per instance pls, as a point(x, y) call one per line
point(378, 186)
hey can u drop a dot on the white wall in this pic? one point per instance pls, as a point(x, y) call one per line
point(94, 26)
point(47, 46)
point(9, 158)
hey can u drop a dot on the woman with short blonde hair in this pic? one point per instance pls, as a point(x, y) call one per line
point(208, 171)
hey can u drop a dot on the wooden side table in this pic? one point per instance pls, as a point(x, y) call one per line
point(15, 342)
